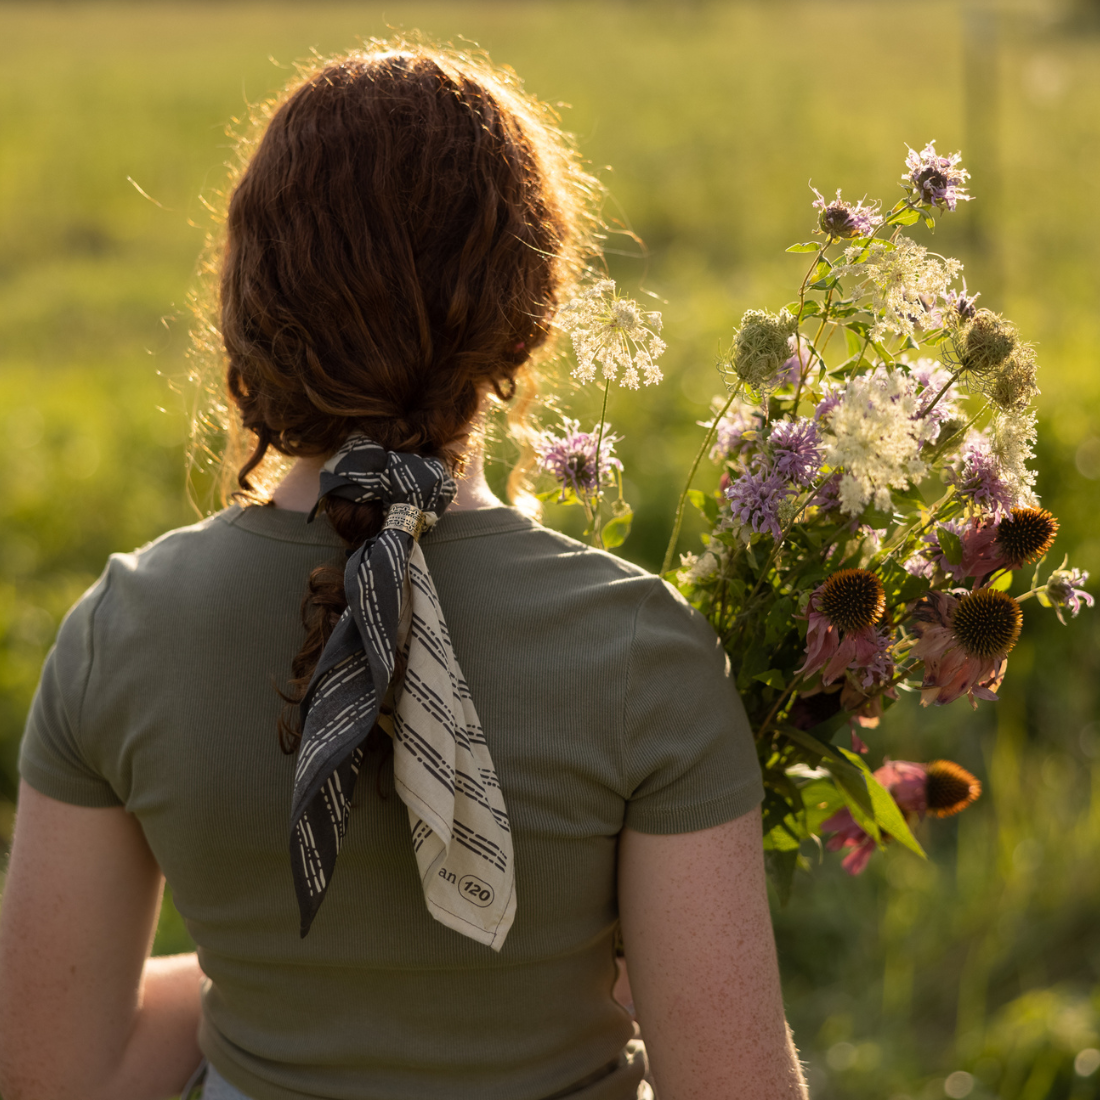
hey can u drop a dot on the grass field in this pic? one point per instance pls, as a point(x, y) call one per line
point(984, 962)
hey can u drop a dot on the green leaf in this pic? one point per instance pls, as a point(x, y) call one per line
point(825, 283)
point(756, 660)
point(780, 839)
point(887, 813)
point(705, 503)
point(816, 745)
point(821, 799)
point(807, 246)
point(811, 308)
point(616, 529)
point(904, 217)
point(902, 587)
point(780, 867)
point(1003, 583)
point(950, 544)
point(554, 494)
point(852, 784)
point(774, 678)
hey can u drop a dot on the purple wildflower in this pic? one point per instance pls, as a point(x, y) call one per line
point(731, 429)
point(977, 476)
point(571, 457)
point(962, 303)
point(755, 499)
point(801, 357)
point(936, 180)
point(842, 220)
point(958, 306)
point(828, 496)
point(1065, 589)
point(796, 450)
point(932, 376)
point(833, 395)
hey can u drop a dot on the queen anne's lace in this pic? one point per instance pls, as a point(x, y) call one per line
point(615, 333)
point(903, 280)
point(874, 434)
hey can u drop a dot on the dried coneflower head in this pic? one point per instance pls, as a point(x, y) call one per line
point(1026, 534)
point(949, 788)
point(853, 599)
point(987, 623)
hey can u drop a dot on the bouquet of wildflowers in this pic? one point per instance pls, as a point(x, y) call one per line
point(873, 509)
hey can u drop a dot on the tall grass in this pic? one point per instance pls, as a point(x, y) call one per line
point(985, 960)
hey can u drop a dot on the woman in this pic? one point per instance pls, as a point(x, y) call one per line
point(395, 251)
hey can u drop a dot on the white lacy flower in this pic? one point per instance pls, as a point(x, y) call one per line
point(873, 435)
point(1011, 443)
point(615, 333)
point(904, 282)
point(697, 568)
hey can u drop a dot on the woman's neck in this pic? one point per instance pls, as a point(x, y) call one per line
point(297, 492)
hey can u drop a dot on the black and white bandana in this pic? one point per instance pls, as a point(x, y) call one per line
point(442, 768)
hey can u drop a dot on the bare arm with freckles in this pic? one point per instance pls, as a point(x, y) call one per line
point(703, 968)
point(83, 1011)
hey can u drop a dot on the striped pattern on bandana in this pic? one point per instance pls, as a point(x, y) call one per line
point(442, 768)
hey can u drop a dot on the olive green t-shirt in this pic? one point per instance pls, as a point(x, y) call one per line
point(605, 700)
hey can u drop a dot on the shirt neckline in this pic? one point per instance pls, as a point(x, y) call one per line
point(283, 525)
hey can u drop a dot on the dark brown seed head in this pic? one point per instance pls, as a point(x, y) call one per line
point(949, 788)
point(853, 599)
point(987, 623)
point(1026, 534)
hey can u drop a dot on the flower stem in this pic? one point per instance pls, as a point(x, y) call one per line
point(947, 385)
point(597, 535)
point(818, 255)
point(666, 565)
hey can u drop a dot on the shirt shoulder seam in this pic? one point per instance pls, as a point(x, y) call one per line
point(78, 724)
point(624, 778)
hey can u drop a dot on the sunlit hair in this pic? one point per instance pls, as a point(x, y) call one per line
point(396, 244)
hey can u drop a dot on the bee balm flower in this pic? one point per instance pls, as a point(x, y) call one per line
point(935, 180)
point(841, 220)
point(571, 458)
point(1065, 588)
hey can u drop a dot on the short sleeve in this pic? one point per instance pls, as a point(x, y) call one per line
point(53, 758)
point(690, 759)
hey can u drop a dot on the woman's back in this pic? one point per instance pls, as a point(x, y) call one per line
point(604, 702)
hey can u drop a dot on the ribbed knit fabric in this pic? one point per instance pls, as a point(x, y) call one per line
point(605, 702)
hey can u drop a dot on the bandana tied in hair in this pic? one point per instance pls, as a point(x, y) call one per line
point(441, 764)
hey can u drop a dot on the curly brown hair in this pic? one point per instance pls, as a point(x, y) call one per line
point(395, 250)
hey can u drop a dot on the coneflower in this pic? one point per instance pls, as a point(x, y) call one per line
point(1025, 535)
point(987, 622)
point(939, 788)
point(853, 599)
point(949, 788)
point(963, 642)
point(841, 635)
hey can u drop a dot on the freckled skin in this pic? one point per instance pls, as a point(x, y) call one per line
point(111, 1025)
point(703, 969)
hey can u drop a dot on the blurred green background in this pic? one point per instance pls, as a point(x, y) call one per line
point(974, 974)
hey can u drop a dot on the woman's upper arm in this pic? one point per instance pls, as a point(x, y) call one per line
point(79, 908)
point(703, 970)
